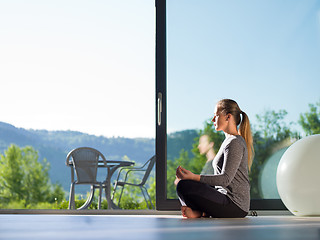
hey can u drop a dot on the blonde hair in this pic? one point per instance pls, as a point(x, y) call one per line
point(230, 106)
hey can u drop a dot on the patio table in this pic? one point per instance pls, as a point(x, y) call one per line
point(112, 166)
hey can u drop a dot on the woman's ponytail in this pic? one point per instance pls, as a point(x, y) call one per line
point(245, 132)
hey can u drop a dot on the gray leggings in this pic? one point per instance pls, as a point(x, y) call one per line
point(205, 198)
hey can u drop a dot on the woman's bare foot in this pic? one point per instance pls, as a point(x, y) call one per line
point(189, 213)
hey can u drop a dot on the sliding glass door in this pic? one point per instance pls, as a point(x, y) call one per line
point(265, 55)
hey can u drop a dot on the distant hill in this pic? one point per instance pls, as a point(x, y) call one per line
point(177, 141)
point(55, 145)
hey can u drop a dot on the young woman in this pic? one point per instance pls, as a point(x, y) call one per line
point(226, 193)
point(206, 148)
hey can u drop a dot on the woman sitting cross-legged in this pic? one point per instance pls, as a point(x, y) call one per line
point(226, 193)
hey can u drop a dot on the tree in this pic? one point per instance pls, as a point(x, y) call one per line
point(24, 178)
point(182, 160)
point(272, 125)
point(310, 121)
point(11, 175)
point(271, 132)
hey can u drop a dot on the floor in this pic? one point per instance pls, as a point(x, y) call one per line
point(55, 226)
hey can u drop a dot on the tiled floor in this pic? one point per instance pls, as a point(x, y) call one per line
point(44, 226)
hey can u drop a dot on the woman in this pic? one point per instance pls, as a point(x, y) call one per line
point(206, 148)
point(226, 193)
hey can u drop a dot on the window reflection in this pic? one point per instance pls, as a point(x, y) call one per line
point(264, 55)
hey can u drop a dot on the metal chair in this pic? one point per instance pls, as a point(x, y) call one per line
point(146, 168)
point(84, 162)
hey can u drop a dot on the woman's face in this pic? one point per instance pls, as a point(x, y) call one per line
point(204, 144)
point(219, 120)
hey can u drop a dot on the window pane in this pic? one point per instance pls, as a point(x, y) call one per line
point(264, 55)
point(85, 68)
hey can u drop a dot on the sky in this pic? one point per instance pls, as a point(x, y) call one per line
point(89, 66)
point(263, 54)
point(78, 65)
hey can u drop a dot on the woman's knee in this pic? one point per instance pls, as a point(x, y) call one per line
point(181, 186)
point(187, 186)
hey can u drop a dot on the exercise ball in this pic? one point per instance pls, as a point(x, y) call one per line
point(298, 177)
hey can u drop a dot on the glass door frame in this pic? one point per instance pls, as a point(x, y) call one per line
point(162, 202)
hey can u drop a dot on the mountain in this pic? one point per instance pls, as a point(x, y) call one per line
point(55, 145)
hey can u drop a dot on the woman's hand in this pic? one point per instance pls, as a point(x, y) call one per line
point(183, 173)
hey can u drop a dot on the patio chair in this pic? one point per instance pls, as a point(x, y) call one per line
point(84, 162)
point(146, 168)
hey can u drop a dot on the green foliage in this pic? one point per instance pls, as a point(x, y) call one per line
point(23, 179)
point(272, 127)
point(271, 134)
point(132, 197)
point(152, 189)
point(172, 165)
point(129, 200)
point(22, 205)
point(57, 194)
point(310, 121)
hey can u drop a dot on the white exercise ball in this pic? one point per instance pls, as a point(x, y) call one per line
point(298, 177)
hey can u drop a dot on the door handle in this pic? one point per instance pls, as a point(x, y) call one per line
point(159, 108)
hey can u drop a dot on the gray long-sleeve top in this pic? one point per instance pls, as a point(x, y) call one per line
point(231, 171)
